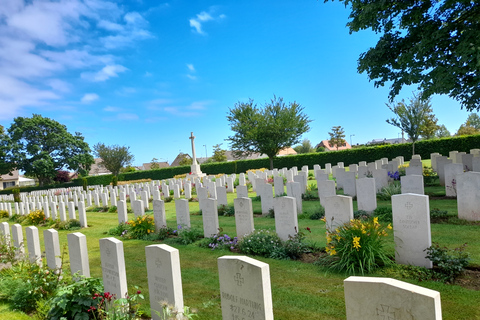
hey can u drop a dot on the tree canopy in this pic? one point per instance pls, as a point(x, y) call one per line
point(113, 157)
point(6, 166)
point(433, 44)
point(266, 130)
point(304, 147)
point(42, 146)
point(219, 154)
point(471, 125)
point(337, 136)
point(442, 132)
point(411, 118)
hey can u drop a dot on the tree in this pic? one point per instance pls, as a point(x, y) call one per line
point(304, 147)
point(219, 155)
point(466, 130)
point(473, 120)
point(113, 157)
point(429, 126)
point(266, 130)
point(154, 164)
point(6, 166)
point(337, 137)
point(434, 44)
point(62, 176)
point(411, 117)
point(186, 160)
point(442, 132)
point(42, 146)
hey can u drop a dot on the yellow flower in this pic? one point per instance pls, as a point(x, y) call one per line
point(323, 219)
point(338, 237)
point(327, 249)
point(389, 226)
point(329, 239)
point(356, 243)
point(333, 252)
point(375, 220)
point(364, 232)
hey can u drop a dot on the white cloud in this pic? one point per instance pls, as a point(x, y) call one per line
point(191, 77)
point(106, 73)
point(89, 97)
point(202, 17)
point(190, 67)
point(147, 74)
point(40, 40)
point(127, 116)
point(111, 109)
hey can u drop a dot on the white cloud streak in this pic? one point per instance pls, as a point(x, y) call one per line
point(89, 97)
point(197, 22)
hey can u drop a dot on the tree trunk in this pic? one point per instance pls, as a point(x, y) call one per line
point(413, 148)
point(271, 163)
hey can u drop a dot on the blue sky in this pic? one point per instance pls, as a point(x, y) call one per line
point(145, 73)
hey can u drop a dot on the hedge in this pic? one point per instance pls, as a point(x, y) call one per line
point(368, 154)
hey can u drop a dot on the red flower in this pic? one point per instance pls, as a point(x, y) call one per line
point(308, 229)
point(138, 291)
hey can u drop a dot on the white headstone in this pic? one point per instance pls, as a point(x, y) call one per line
point(278, 186)
point(412, 184)
point(294, 190)
point(368, 298)
point(78, 252)
point(82, 215)
point(122, 211)
point(210, 218)
point(411, 229)
point(286, 222)
point(451, 171)
point(182, 212)
point(468, 196)
point(366, 194)
point(17, 237)
point(222, 196)
point(242, 191)
point(326, 188)
point(266, 198)
point(243, 216)
point(245, 289)
point(138, 208)
point(33, 243)
point(113, 267)
point(52, 249)
point(164, 278)
point(338, 210)
point(159, 216)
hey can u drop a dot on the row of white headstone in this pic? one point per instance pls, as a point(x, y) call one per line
point(245, 286)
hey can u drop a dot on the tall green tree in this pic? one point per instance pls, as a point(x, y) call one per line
point(6, 165)
point(434, 44)
point(411, 117)
point(304, 147)
point(337, 137)
point(113, 157)
point(429, 126)
point(473, 120)
point(42, 146)
point(219, 155)
point(266, 130)
point(442, 132)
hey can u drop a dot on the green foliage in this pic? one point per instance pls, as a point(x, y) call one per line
point(442, 132)
point(6, 166)
point(268, 130)
point(112, 209)
point(357, 247)
point(295, 246)
point(310, 195)
point(140, 227)
point(71, 224)
point(169, 312)
point(120, 230)
point(433, 44)
point(261, 243)
point(224, 210)
point(437, 214)
point(168, 199)
point(8, 253)
point(415, 118)
point(304, 147)
point(219, 155)
point(318, 214)
point(113, 157)
point(75, 300)
point(16, 194)
point(387, 192)
point(186, 235)
point(114, 181)
point(42, 146)
point(220, 241)
point(473, 120)
point(337, 137)
point(4, 214)
point(85, 184)
point(449, 263)
point(430, 177)
point(384, 214)
point(24, 283)
point(35, 217)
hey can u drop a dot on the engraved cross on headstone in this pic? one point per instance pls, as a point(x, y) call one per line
point(385, 313)
point(238, 278)
point(408, 205)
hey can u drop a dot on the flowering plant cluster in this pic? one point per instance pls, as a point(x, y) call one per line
point(219, 241)
point(141, 226)
point(3, 214)
point(357, 246)
point(261, 243)
point(35, 217)
point(394, 175)
point(109, 308)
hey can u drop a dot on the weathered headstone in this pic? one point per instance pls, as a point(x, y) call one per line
point(381, 178)
point(243, 216)
point(52, 249)
point(182, 212)
point(113, 267)
point(451, 172)
point(368, 298)
point(411, 229)
point(441, 162)
point(338, 210)
point(349, 184)
point(242, 191)
point(222, 196)
point(210, 218)
point(17, 237)
point(164, 278)
point(326, 188)
point(468, 196)
point(412, 184)
point(245, 289)
point(78, 252)
point(286, 222)
point(159, 216)
point(266, 198)
point(122, 211)
point(366, 194)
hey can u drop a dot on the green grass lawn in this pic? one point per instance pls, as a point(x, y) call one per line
point(299, 290)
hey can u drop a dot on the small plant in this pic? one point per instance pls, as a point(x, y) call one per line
point(169, 312)
point(8, 253)
point(260, 243)
point(16, 194)
point(257, 198)
point(168, 199)
point(224, 210)
point(112, 209)
point(141, 226)
point(35, 217)
point(270, 214)
point(394, 175)
point(71, 224)
point(361, 215)
point(318, 214)
point(384, 214)
point(437, 214)
point(121, 230)
point(429, 176)
point(4, 214)
point(109, 308)
point(85, 184)
point(357, 247)
point(222, 241)
point(295, 245)
point(310, 195)
point(387, 192)
point(185, 235)
point(448, 263)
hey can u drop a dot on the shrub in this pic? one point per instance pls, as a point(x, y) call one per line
point(4, 214)
point(361, 215)
point(449, 263)
point(384, 214)
point(16, 194)
point(221, 241)
point(224, 210)
point(168, 199)
point(35, 217)
point(71, 224)
point(429, 176)
point(112, 209)
point(8, 253)
point(141, 226)
point(387, 192)
point(318, 214)
point(310, 195)
point(121, 230)
point(260, 243)
point(295, 246)
point(438, 214)
point(185, 235)
point(357, 247)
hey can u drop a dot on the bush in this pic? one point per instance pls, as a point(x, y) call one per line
point(430, 177)
point(227, 211)
point(387, 192)
point(295, 246)
point(141, 226)
point(384, 214)
point(260, 243)
point(357, 247)
point(71, 224)
point(35, 217)
point(185, 235)
point(221, 242)
point(318, 214)
point(4, 214)
point(449, 263)
point(8, 253)
point(310, 195)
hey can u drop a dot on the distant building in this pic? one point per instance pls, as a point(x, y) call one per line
point(388, 141)
point(325, 144)
point(179, 158)
point(148, 166)
point(7, 180)
point(229, 154)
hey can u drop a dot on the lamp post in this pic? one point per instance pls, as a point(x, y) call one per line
point(206, 155)
point(352, 135)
